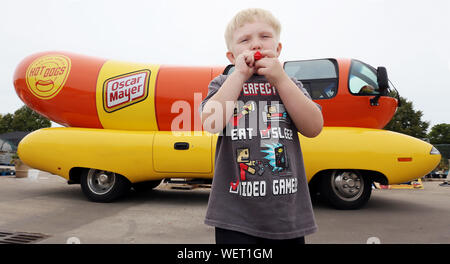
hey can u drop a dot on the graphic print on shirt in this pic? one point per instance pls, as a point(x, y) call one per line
point(246, 165)
point(246, 109)
point(275, 112)
point(258, 88)
point(275, 162)
point(244, 162)
point(242, 186)
point(273, 116)
point(270, 120)
point(277, 158)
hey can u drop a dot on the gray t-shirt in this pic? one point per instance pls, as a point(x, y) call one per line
point(259, 185)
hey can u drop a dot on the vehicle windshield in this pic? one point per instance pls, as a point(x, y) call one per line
point(319, 77)
point(363, 79)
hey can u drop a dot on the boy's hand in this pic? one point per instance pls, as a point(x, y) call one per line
point(270, 67)
point(245, 64)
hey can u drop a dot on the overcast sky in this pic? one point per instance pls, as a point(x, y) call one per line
point(411, 38)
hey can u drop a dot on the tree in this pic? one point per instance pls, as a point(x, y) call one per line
point(5, 123)
point(440, 134)
point(440, 137)
point(408, 121)
point(24, 119)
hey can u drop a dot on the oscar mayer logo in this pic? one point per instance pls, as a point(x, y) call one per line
point(124, 90)
point(47, 75)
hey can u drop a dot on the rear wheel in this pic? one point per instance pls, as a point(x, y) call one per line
point(346, 189)
point(103, 186)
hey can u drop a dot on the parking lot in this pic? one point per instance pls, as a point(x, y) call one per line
point(45, 204)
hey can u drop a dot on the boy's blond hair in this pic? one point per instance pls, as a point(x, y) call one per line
point(251, 15)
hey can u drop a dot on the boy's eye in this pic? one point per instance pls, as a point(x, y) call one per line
point(244, 40)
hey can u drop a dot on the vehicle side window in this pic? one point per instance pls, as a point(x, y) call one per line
point(362, 79)
point(319, 77)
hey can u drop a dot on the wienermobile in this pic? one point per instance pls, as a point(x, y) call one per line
point(119, 133)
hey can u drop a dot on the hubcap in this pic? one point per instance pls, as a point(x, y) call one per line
point(347, 185)
point(100, 182)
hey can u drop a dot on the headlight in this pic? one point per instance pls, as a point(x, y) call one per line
point(434, 151)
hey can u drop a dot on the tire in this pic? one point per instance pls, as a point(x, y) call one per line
point(146, 186)
point(346, 189)
point(103, 186)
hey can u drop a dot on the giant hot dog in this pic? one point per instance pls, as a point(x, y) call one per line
point(81, 91)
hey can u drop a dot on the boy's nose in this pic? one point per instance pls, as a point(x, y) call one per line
point(256, 45)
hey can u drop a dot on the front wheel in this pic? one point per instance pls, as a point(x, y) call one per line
point(346, 189)
point(103, 186)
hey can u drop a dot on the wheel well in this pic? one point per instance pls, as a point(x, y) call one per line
point(373, 175)
point(75, 175)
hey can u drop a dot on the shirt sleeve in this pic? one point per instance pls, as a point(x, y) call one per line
point(213, 87)
point(305, 92)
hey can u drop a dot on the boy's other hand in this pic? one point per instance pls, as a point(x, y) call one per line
point(270, 67)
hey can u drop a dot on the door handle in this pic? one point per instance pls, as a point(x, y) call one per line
point(181, 145)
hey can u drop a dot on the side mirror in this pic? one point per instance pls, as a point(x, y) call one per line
point(383, 80)
point(383, 84)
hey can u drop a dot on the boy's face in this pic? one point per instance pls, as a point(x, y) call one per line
point(252, 37)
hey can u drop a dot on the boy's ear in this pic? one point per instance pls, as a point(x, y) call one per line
point(231, 57)
point(279, 47)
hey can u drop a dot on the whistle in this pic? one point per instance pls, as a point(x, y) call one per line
point(257, 55)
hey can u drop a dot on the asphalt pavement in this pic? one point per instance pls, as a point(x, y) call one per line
point(45, 204)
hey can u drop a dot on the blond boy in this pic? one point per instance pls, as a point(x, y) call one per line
point(259, 192)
